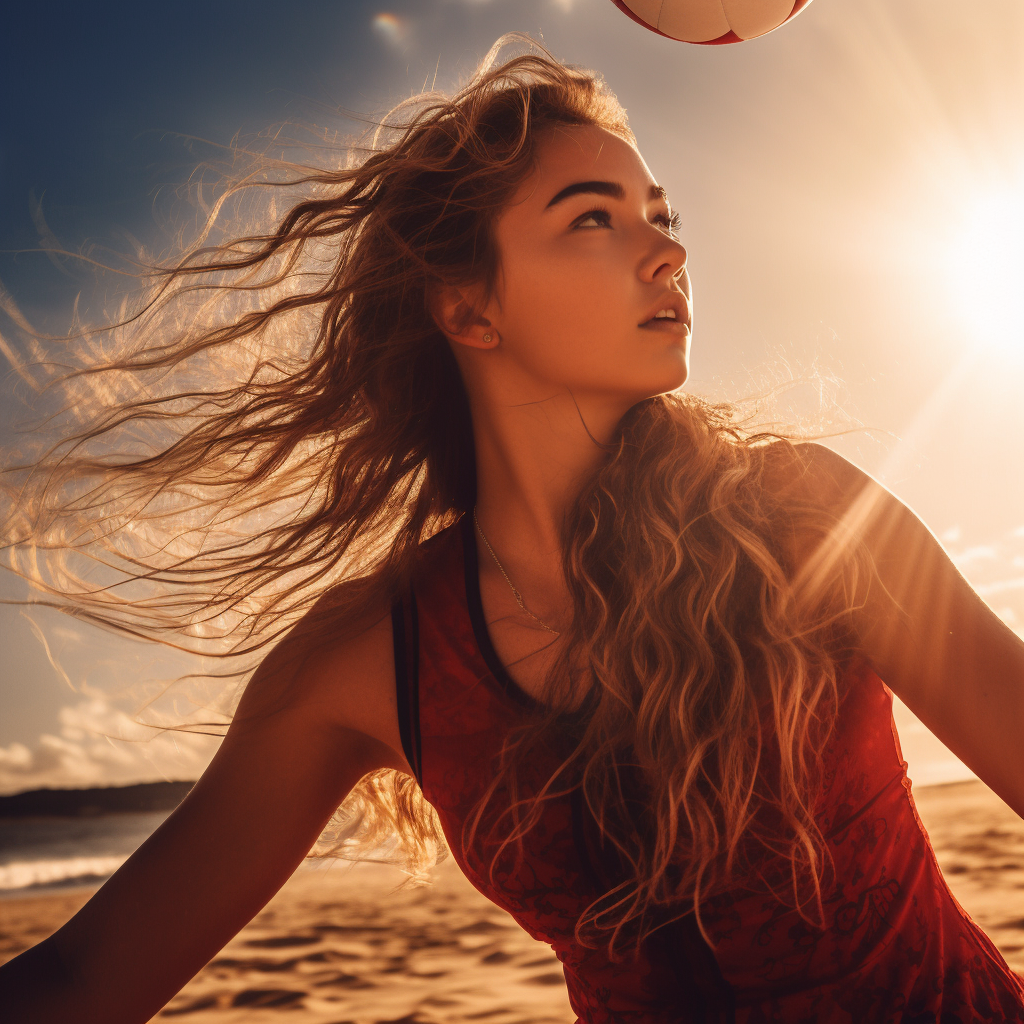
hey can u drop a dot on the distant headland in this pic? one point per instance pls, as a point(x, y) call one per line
point(80, 803)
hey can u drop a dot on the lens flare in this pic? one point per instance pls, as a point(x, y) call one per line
point(987, 264)
point(390, 26)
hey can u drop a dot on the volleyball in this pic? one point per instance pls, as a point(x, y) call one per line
point(711, 21)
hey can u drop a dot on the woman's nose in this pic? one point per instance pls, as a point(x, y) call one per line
point(668, 259)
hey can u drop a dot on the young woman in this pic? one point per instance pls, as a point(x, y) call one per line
point(631, 656)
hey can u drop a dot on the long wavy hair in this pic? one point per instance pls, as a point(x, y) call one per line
point(270, 431)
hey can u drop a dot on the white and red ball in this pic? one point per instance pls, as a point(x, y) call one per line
point(711, 21)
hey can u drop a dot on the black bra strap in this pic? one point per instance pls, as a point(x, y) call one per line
point(405, 633)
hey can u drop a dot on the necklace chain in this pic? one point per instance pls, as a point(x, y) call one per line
point(516, 594)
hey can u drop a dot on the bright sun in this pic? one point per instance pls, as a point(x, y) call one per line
point(988, 269)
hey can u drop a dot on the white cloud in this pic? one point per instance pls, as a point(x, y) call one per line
point(97, 744)
point(1000, 587)
point(994, 570)
point(978, 553)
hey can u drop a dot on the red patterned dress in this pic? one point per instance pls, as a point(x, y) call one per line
point(897, 946)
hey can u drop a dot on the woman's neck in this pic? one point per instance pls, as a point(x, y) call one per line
point(532, 457)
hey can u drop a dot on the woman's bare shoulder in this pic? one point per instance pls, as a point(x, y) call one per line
point(823, 504)
point(812, 472)
point(334, 672)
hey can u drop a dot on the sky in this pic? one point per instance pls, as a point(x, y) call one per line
point(851, 190)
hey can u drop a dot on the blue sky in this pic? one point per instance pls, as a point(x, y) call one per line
point(823, 174)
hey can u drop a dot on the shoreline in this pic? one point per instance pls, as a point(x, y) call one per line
point(339, 945)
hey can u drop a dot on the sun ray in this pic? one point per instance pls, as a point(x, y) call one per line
point(987, 269)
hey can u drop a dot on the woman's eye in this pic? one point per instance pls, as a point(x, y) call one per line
point(603, 219)
point(601, 216)
point(673, 223)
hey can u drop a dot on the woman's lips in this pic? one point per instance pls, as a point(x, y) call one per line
point(667, 325)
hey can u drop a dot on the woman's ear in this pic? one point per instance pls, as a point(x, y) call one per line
point(451, 308)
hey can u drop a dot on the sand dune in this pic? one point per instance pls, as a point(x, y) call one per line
point(339, 945)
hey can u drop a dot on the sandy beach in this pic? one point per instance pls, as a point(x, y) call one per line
point(339, 945)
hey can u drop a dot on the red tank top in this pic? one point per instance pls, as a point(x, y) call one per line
point(897, 946)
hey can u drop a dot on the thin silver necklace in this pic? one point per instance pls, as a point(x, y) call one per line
point(516, 594)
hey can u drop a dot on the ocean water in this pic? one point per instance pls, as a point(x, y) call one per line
point(43, 854)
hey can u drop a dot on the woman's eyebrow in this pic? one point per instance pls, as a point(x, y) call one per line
point(602, 188)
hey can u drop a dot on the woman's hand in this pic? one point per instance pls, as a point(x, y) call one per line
point(928, 635)
point(306, 731)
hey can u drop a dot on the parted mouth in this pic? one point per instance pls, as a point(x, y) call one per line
point(672, 307)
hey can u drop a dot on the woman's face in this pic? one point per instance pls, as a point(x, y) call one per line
point(587, 258)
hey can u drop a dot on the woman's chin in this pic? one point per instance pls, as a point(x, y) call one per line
point(668, 371)
point(672, 377)
point(665, 387)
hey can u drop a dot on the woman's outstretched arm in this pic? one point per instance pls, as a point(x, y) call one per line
point(306, 731)
point(927, 633)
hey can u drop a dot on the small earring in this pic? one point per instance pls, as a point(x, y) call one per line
point(487, 338)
